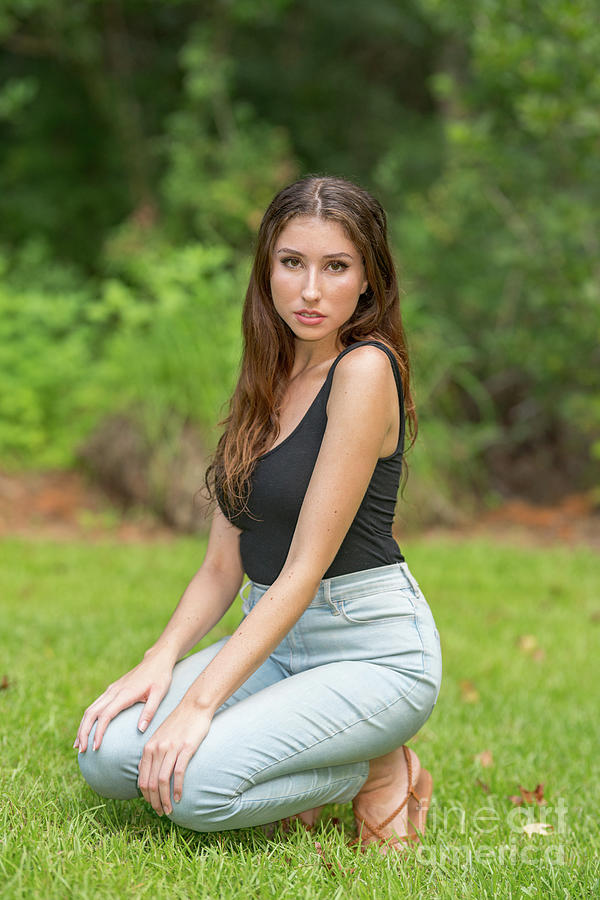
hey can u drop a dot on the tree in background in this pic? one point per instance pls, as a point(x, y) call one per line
point(504, 244)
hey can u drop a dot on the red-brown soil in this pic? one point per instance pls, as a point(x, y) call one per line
point(573, 520)
point(62, 505)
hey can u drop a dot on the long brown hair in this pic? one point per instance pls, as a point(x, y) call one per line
point(268, 342)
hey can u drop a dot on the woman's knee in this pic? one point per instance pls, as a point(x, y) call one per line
point(199, 816)
point(212, 790)
point(205, 805)
point(111, 770)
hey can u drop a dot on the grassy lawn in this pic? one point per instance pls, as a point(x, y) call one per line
point(520, 633)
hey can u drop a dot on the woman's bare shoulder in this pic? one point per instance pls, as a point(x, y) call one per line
point(364, 360)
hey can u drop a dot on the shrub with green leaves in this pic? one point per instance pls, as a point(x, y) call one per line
point(501, 250)
point(49, 395)
point(159, 338)
point(175, 336)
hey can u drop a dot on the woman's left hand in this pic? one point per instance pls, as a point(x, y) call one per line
point(168, 753)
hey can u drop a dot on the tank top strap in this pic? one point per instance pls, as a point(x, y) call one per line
point(384, 347)
point(397, 377)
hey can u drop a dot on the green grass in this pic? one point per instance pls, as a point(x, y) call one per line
point(75, 616)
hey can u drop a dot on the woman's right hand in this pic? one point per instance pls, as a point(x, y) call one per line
point(147, 683)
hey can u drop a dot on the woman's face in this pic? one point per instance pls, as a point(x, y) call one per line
point(315, 268)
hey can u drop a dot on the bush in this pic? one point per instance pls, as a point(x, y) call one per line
point(49, 397)
point(160, 336)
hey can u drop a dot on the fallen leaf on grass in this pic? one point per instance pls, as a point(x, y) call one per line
point(484, 787)
point(486, 758)
point(537, 796)
point(538, 828)
point(5, 683)
point(468, 692)
point(527, 643)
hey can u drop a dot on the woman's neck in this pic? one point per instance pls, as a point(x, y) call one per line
point(311, 355)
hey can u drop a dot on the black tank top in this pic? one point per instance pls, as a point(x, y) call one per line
point(278, 485)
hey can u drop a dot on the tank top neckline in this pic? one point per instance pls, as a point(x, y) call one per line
point(320, 391)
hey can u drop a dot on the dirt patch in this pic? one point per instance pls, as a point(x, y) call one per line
point(573, 520)
point(64, 505)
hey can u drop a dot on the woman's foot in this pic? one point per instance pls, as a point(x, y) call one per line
point(384, 791)
point(308, 818)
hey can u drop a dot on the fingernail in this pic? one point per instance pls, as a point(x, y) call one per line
point(176, 797)
point(143, 726)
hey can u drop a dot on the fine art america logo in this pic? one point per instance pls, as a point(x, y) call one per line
point(501, 836)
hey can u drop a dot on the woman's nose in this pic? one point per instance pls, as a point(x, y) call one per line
point(310, 288)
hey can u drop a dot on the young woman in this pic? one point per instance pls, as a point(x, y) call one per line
point(336, 661)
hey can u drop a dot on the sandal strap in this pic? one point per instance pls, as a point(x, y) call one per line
point(377, 829)
point(394, 843)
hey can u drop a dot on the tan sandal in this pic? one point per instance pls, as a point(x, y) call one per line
point(418, 799)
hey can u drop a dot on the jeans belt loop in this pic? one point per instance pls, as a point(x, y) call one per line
point(242, 589)
point(330, 602)
point(413, 581)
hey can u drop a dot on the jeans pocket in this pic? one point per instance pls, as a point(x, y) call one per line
point(378, 608)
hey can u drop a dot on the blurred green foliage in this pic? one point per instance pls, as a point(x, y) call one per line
point(159, 337)
point(140, 145)
point(503, 244)
point(175, 336)
point(47, 400)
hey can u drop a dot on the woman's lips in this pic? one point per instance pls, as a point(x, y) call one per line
point(309, 320)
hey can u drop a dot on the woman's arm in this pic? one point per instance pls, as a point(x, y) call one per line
point(363, 394)
point(207, 597)
point(359, 417)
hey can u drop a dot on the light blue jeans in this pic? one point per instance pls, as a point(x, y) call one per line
point(356, 677)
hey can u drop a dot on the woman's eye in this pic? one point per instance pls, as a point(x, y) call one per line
point(294, 262)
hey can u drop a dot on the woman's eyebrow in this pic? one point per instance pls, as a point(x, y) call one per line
point(325, 255)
